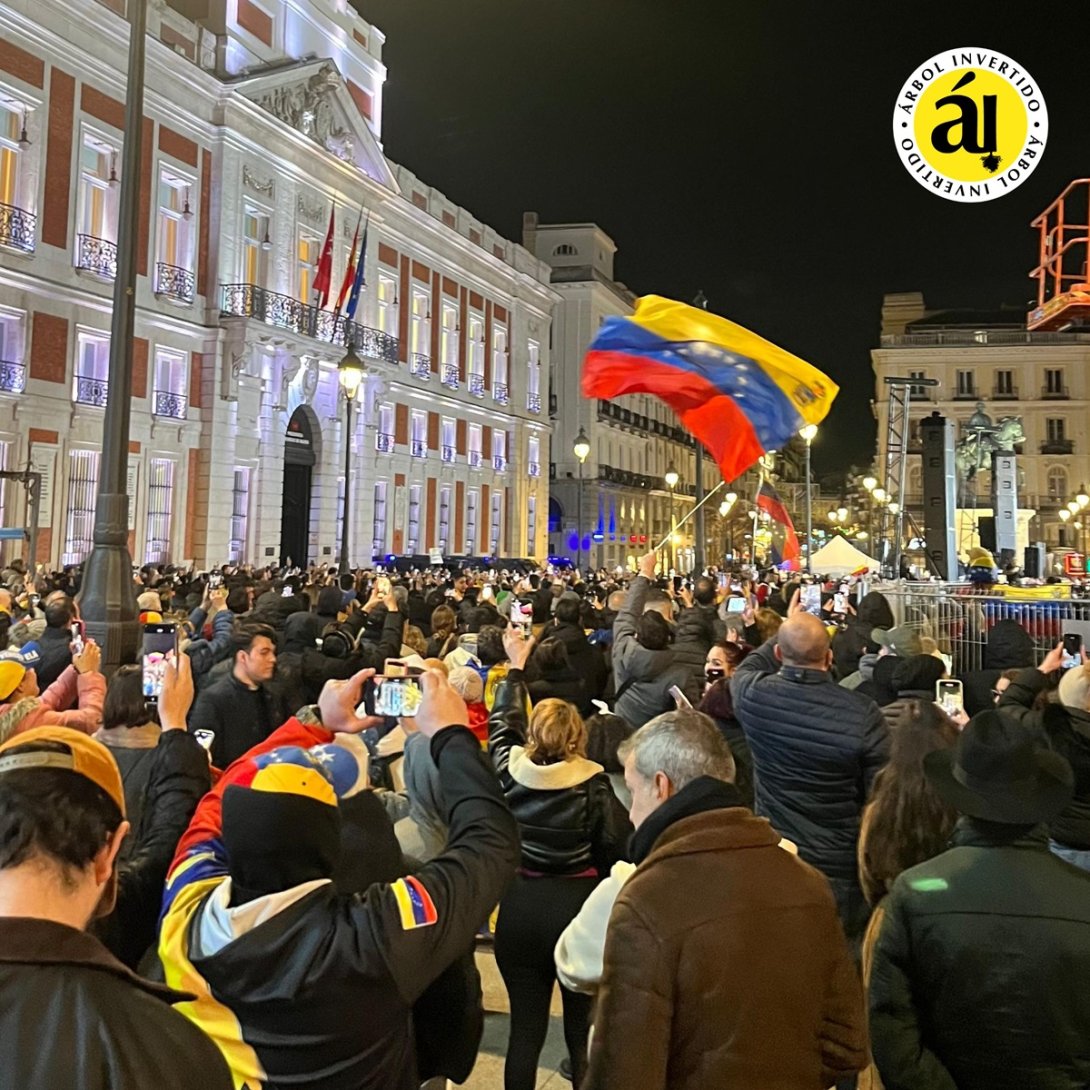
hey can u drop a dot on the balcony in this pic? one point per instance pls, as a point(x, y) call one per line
point(420, 366)
point(500, 393)
point(449, 455)
point(1055, 393)
point(17, 228)
point(173, 282)
point(534, 469)
point(419, 448)
point(475, 385)
point(967, 338)
point(96, 255)
point(474, 459)
point(533, 403)
point(966, 394)
point(12, 377)
point(384, 443)
point(250, 301)
point(499, 463)
point(1058, 446)
point(169, 404)
point(450, 376)
point(91, 391)
point(1009, 393)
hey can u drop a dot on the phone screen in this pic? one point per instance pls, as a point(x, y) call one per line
point(948, 694)
point(76, 644)
point(680, 699)
point(215, 580)
point(397, 696)
point(522, 616)
point(840, 602)
point(810, 598)
point(736, 605)
point(1072, 655)
point(159, 649)
point(724, 580)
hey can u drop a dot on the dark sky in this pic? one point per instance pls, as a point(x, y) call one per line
point(739, 146)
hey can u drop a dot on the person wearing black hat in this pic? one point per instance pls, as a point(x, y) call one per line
point(980, 969)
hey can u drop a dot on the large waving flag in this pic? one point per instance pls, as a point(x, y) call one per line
point(349, 269)
point(360, 281)
point(785, 542)
point(324, 275)
point(737, 393)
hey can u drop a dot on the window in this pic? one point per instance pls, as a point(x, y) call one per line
point(475, 371)
point(419, 434)
point(412, 546)
point(449, 439)
point(378, 534)
point(565, 249)
point(531, 526)
point(5, 463)
point(238, 548)
point(444, 517)
point(82, 493)
point(1054, 381)
point(307, 254)
point(96, 239)
point(92, 369)
point(471, 522)
point(474, 446)
point(173, 273)
point(11, 127)
point(255, 246)
point(387, 304)
point(16, 186)
point(170, 391)
point(534, 456)
point(499, 450)
point(499, 366)
point(533, 377)
point(495, 523)
point(1004, 383)
point(448, 343)
point(965, 386)
point(420, 329)
point(384, 440)
point(1056, 429)
point(1057, 483)
point(12, 351)
point(160, 501)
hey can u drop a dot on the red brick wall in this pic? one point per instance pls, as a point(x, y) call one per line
point(42, 435)
point(144, 227)
point(421, 272)
point(404, 305)
point(139, 367)
point(191, 499)
point(196, 371)
point(475, 300)
point(488, 345)
point(463, 337)
point(387, 255)
point(429, 516)
point(459, 516)
point(420, 199)
point(206, 219)
point(48, 349)
point(484, 516)
point(360, 38)
point(363, 100)
point(170, 37)
point(180, 147)
point(18, 62)
point(433, 431)
point(134, 446)
point(401, 423)
point(98, 104)
point(449, 220)
point(460, 436)
point(58, 159)
point(436, 322)
point(251, 18)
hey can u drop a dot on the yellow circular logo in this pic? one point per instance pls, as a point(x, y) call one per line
point(970, 125)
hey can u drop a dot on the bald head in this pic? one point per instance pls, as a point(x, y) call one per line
point(803, 641)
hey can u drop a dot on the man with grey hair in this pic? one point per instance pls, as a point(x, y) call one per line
point(724, 960)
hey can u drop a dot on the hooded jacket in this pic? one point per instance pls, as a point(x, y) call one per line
point(422, 833)
point(693, 639)
point(1008, 645)
point(850, 644)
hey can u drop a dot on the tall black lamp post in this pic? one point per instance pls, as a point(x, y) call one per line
point(350, 372)
point(581, 450)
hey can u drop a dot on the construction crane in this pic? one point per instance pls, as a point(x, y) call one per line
point(1063, 280)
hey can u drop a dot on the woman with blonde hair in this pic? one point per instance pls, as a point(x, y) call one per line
point(573, 830)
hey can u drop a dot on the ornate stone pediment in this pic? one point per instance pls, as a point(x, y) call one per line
point(312, 98)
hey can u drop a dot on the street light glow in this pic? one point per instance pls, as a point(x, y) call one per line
point(1064, 514)
point(880, 495)
point(870, 483)
point(581, 449)
point(351, 372)
point(671, 477)
point(808, 432)
point(1082, 496)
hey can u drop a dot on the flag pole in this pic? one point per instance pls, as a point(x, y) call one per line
point(692, 511)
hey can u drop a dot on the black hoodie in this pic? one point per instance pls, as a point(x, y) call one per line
point(1009, 645)
point(850, 644)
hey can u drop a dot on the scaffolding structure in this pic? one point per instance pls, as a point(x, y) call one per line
point(1062, 275)
point(898, 436)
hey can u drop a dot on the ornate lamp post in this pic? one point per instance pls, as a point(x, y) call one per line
point(809, 433)
point(350, 373)
point(581, 450)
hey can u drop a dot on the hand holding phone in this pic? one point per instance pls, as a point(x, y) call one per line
point(1072, 653)
point(810, 599)
point(680, 699)
point(160, 647)
point(949, 696)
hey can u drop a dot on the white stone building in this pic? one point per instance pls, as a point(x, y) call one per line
point(1044, 378)
point(260, 117)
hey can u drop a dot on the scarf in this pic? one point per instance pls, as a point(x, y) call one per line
point(701, 795)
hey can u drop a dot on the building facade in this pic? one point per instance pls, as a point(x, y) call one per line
point(620, 492)
point(263, 119)
point(1044, 378)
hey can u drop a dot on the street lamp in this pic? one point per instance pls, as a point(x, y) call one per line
point(581, 450)
point(809, 433)
point(880, 495)
point(1083, 497)
point(725, 508)
point(894, 507)
point(350, 374)
point(671, 479)
point(870, 483)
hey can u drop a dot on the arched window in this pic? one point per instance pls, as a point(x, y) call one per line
point(565, 249)
point(1057, 483)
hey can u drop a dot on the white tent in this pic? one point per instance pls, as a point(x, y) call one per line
point(839, 557)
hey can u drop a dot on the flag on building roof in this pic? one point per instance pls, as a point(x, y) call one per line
point(785, 542)
point(735, 392)
point(323, 277)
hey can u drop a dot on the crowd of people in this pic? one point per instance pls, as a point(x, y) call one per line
point(739, 834)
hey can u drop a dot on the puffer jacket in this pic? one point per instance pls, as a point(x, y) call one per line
point(693, 639)
point(642, 677)
point(1068, 731)
point(816, 749)
point(980, 969)
point(568, 816)
point(1009, 645)
point(850, 643)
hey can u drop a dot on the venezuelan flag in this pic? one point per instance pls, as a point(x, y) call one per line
point(735, 392)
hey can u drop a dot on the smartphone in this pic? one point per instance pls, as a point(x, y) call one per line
point(215, 580)
point(522, 617)
point(1072, 651)
point(680, 699)
point(840, 602)
point(736, 605)
point(949, 696)
point(382, 585)
point(76, 643)
point(810, 599)
point(287, 592)
point(160, 646)
point(205, 738)
point(397, 696)
point(486, 592)
point(724, 580)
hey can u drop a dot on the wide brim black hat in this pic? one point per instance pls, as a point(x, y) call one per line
point(1000, 771)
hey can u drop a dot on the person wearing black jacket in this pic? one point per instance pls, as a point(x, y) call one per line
point(573, 830)
point(588, 662)
point(54, 645)
point(1009, 645)
point(549, 674)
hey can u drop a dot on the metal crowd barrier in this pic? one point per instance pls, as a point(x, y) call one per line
point(959, 620)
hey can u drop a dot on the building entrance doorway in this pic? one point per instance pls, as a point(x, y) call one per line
point(299, 462)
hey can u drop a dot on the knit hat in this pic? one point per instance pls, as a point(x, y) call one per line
point(467, 683)
point(14, 664)
point(900, 640)
point(84, 755)
point(1074, 691)
point(149, 600)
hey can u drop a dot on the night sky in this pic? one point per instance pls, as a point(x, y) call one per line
point(742, 148)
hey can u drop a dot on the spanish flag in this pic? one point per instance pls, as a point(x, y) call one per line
point(735, 392)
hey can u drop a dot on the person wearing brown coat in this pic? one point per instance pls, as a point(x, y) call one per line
point(725, 963)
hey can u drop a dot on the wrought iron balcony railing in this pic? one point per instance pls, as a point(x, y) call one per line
point(420, 366)
point(384, 443)
point(450, 375)
point(175, 282)
point(420, 448)
point(169, 404)
point(17, 228)
point(12, 377)
point(534, 469)
point(500, 393)
point(1055, 393)
point(91, 391)
point(475, 384)
point(1058, 446)
point(1005, 393)
point(499, 463)
point(250, 301)
point(449, 454)
point(533, 403)
point(96, 255)
point(474, 459)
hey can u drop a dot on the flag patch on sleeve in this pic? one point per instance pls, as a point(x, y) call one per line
point(414, 903)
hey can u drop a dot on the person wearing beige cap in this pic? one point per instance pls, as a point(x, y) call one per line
point(73, 1015)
